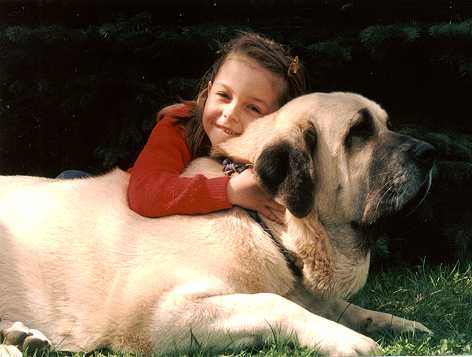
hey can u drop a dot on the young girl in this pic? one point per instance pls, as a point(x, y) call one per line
point(253, 76)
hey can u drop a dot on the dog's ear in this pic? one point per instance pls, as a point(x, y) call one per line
point(285, 169)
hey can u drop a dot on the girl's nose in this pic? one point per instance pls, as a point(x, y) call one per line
point(230, 112)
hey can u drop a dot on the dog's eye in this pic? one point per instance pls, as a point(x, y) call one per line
point(359, 133)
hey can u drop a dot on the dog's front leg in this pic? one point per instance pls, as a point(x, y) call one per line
point(369, 321)
point(353, 316)
point(240, 320)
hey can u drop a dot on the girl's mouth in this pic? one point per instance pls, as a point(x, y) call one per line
point(227, 131)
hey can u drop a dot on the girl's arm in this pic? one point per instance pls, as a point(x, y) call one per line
point(156, 188)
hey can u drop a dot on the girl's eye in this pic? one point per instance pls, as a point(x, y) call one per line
point(255, 109)
point(222, 95)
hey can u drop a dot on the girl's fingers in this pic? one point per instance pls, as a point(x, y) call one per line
point(277, 207)
point(275, 217)
point(266, 213)
point(280, 216)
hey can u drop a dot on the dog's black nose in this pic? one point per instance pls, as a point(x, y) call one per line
point(424, 154)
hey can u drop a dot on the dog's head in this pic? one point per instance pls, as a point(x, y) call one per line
point(334, 154)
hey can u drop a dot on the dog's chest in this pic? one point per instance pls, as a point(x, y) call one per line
point(255, 263)
point(349, 277)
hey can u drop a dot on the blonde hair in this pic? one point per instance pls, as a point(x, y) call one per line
point(268, 54)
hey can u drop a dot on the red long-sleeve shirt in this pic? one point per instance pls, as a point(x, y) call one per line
point(156, 188)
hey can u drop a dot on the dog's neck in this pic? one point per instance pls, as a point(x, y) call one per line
point(332, 263)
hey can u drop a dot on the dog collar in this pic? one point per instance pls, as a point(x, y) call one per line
point(229, 168)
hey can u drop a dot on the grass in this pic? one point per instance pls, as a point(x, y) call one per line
point(440, 297)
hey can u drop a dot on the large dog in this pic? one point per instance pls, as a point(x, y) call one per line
point(78, 265)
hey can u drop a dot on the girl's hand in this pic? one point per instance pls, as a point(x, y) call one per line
point(245, 191)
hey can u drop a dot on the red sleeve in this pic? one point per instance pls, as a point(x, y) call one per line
point(156, 188)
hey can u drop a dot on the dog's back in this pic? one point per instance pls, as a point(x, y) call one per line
point(74, 258)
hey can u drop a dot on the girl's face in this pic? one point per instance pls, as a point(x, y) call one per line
point(241, 92)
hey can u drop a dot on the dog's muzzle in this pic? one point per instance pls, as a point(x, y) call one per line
point(423, 154)
point(401, 177)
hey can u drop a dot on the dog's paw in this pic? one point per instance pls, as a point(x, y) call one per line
point(348, 343)
point(26, 339)
point(10, 351)
point(333, 339)
point(402, 325)
point(383, 321)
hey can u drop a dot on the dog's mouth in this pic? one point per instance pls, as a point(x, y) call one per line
point(390, 218)
point(417, 200)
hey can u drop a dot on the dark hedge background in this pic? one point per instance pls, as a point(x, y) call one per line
point(80, 82)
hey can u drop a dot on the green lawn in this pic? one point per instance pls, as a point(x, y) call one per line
point(440, 297)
